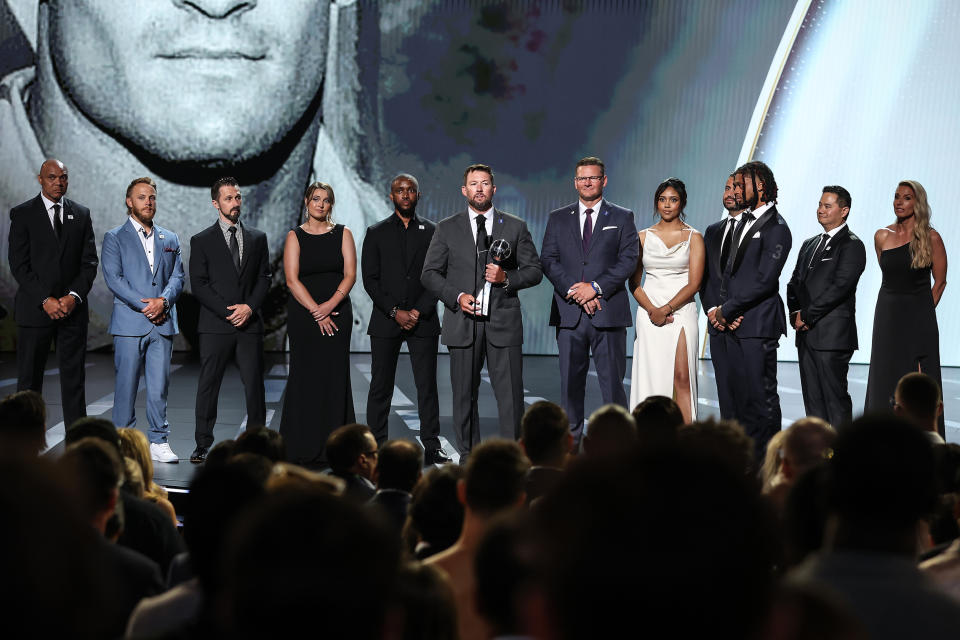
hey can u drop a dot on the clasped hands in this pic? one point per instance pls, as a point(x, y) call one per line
point(720, 323)
point(323, 315)
point(798, 322)
point(584, 295)
point(59, 308)
point(154, 310)
point(407, 319)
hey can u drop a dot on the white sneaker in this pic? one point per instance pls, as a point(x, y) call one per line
point(163, 453)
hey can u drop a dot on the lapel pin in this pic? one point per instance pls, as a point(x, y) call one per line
point(421, 227)
point(69, 216)
point(161, 236)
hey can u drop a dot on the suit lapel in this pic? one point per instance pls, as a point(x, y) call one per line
point(575, 228)
point(757, 227)
point(157, 248)
point(129, 232)
point(833, 244)
point(246, 249)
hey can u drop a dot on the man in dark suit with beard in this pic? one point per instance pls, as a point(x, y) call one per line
point(404, 311)
point(53, 257)
point(745, 354)
point(230, 276)
point(822, 301)
point(470, 250)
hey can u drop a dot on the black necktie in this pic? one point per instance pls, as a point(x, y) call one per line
point(235, 248)
point(821, 246)
point(727, 242)
point(57, 221)
point(482, 233)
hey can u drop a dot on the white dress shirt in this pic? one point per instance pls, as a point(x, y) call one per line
point(749, 223)
point(146, 239)
point(488, 215)
point(48, 203)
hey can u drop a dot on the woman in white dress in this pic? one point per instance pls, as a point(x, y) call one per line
point(672, 259)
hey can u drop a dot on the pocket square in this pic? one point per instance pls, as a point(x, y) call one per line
point(605, 228)
point(69, 217)
point(756, 235)
point(170, 250)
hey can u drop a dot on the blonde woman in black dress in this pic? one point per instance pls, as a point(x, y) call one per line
point(320, 265)
point(910, 251)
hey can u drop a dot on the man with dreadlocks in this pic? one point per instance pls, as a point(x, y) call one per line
point(745, 355)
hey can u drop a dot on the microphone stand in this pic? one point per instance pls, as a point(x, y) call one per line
point(474, 372)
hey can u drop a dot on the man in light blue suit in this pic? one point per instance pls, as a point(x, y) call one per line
point(590, 248)
point(142, 267)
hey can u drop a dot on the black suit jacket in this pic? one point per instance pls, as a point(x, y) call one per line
point(825, 295)
point(44, 266)
point(391, 283)
point(217, 285)
point(752, 287)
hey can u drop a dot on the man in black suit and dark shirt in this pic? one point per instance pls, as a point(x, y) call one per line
point(547, 441)
point(230, 276)
point(392, 259)
point(352, 452)
point(399, 467)
point(822, 301)
point(53, 257)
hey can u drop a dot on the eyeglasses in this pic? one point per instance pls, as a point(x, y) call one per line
point(583, 179)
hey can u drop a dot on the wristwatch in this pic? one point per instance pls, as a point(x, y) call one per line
point(393, 312)
point(166, 305)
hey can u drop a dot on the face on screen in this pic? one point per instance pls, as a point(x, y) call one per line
point(207, 81)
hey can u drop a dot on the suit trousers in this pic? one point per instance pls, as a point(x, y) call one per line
point(33, 346)
point(216, 352)
point(149, 355)
point(609, 348)
point(823, 379)
point(746, 375)
point(383, 369)
point(505, 367)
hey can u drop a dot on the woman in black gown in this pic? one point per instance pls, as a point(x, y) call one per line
point(909, 251)
point(320, 264)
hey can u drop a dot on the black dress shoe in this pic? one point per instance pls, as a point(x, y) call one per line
point(435, 456)
point(199, 455)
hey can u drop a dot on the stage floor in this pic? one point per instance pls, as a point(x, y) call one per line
point(541, 381)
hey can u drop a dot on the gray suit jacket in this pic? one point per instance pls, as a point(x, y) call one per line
point(448, 271)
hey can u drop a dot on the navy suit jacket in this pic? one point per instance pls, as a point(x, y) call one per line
point(128, 275)
point(610, 259)
point(826, 294)
point(44, 266)
point(751, 288)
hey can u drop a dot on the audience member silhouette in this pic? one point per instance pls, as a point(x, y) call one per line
point(352, 453)
point(546, 439)
point(435, 514)
point(658, 418)
point(917, 399)
point(265, 442)
point(399, 467)
point(611, 430)
point(426, 601)
point(23, 423)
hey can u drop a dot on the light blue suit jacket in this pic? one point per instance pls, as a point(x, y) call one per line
point(127, 273)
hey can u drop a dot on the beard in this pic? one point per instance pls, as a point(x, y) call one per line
point(232, 215)
point(143, 216)
point(482, 205)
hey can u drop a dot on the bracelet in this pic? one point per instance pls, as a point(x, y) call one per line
point(596, 289)
point(341, 293)
point(672, 310)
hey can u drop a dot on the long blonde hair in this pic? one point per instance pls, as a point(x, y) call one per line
point(921, 247)
point(134, 445)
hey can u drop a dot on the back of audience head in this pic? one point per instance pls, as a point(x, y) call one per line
point(92, 427)
point(96, 473)
point(52, 584)
point(917, 398)
point(220, 453)
point(23, 423)
point(658, 418)
point(494, 479)
point(218, 494)
point(399, 465)
point(265, 442)
point(502, 572)
point(722, 439)
point(435, 513)
point(806, 443)
point(611, 430)
point(352, 449)
point(286, 475)
point(134, 445)
point(426, 599)
point(882, 483)
point(602, 541)
point(545, 434)
point(773, 461)
point(304, 559)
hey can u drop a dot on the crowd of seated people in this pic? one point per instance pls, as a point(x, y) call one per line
point(656, 528)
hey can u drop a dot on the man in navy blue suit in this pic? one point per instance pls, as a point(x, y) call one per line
point(590, 248)
point(143, 269)
point(747, 315)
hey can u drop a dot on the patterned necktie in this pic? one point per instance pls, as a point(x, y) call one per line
point(57, 221)
point(821, 246)
point(235, 248)
point(587, 230)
